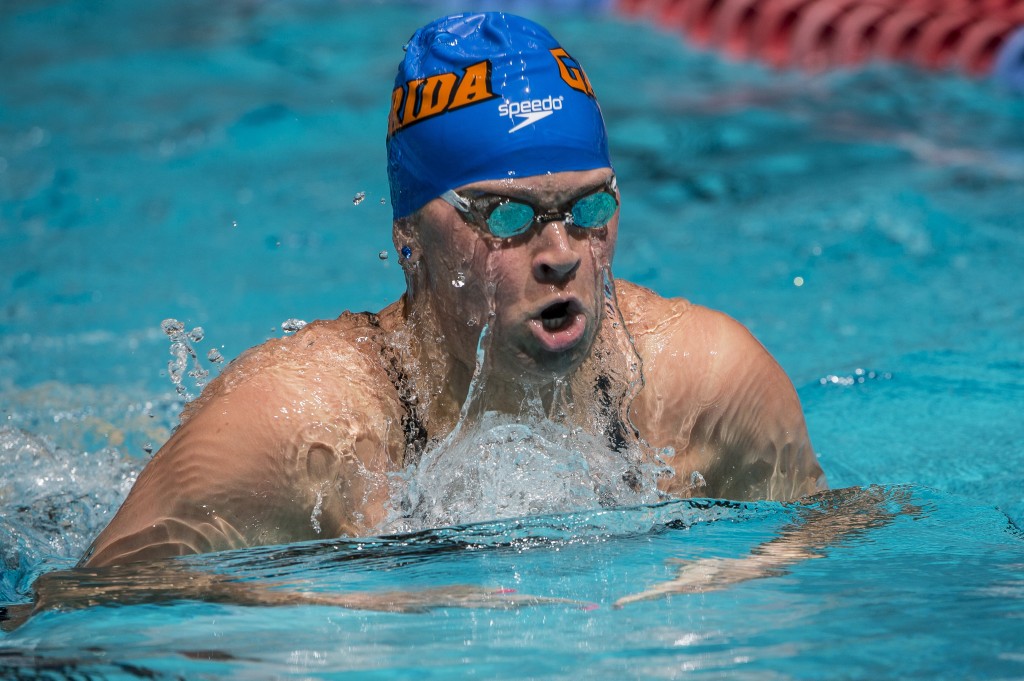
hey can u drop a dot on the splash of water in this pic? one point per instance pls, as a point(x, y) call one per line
point(184, 359)
point(53, 502)
point(292, 325)
point(499, 467)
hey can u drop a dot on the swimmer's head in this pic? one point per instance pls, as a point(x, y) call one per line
point(487, 96)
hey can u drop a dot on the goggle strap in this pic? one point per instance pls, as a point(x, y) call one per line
point(454, 199)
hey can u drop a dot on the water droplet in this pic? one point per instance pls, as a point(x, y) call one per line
point(697, 480)
point(314, 517)
point(459, 281)
point(383, 201)
point(172, 327)
point(292, 325)
point(234, 223)
point(148, 448)
point(798, 281)
point(358, 198)
point(383, 255)
point(214, 356)
point(197, 334)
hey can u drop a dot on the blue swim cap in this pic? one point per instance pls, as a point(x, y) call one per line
point(483, 97)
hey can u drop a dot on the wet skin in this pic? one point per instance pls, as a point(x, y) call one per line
point(546, 295)
point(296, 438)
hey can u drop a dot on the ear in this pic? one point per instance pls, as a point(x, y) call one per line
point(403, 233)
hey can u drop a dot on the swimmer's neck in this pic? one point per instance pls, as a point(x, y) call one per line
point(529, 398)
point(444, 383)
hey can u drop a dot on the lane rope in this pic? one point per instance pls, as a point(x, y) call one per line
point(978, 37)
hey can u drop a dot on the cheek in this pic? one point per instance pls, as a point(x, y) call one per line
point(510, 274)
point(457, 279)
point(446, 254)
point(604, 249)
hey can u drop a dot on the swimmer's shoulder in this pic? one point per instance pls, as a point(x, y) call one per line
point(326, 358)
point(652, 318)
point(715, 395)
point(680, 341)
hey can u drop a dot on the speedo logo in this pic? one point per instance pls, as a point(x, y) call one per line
point(529, 111)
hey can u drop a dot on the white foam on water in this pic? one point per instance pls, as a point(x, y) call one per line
point(500, 467)
point(53, 502)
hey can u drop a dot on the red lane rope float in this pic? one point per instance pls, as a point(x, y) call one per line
point(966, 35)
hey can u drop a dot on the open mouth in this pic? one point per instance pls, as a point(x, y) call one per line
point(555, 316)
point(560, 326)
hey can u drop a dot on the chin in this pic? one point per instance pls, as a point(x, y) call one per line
point(546, 365)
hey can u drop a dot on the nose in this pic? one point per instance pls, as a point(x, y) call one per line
point(555, 260)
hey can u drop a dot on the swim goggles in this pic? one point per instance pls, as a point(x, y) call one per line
point(506, 216)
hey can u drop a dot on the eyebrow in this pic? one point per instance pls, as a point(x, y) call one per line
point(559, 196)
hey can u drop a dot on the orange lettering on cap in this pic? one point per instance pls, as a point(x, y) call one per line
point(571, 72)
point(475, 85)
point(411, 99)
point(397, 97)
point(425, 98)
point(436, 94)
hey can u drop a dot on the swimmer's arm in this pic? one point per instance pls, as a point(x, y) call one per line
point(750, 442)
point(828, 519)
point(230, 477)
point(169, 581)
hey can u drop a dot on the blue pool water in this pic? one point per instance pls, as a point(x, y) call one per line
point(200, 161)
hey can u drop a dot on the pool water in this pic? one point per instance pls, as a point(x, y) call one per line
point(222, 164)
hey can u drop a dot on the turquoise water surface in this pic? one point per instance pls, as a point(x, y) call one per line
point(222, 164)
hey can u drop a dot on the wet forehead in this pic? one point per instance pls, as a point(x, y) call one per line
point(553, 188)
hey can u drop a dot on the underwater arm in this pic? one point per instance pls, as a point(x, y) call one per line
point(827, 520)
point(741, 426)
point(154, 582)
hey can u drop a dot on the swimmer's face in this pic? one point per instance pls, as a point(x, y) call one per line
point(544, 286)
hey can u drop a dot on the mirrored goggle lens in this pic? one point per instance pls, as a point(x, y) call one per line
point(510, 219)
point(594, 210)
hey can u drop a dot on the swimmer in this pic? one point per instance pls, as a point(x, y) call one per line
point(506, 215)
